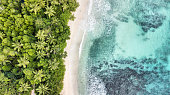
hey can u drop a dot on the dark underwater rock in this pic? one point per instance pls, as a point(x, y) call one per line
point(150, 21)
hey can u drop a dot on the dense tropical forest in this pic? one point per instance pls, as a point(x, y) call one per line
point(33, 36)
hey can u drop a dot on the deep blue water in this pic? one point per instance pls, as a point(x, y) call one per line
point(126, 48)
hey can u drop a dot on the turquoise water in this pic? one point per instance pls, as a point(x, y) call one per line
point(126, 48)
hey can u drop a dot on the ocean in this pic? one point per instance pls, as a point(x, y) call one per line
point(126, 48)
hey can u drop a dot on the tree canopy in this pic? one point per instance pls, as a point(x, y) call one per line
point(33, 36)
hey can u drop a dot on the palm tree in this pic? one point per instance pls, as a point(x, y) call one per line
point(50, 11)
point(53, 64)
point(3, 78)
point(41, 54)
point(3, 59)
point(41, 35)
point(38, 75)
point(55, 2)
point(55, 49)
point(17, 46)
point(41, 45)
point(47, 31)
point(41, 3)
point(24, 87)
point(61, 1)
point(23, 62)
point(39, 23)
point(55, 21)
point(48, 48)
point(51, 39)
point(43, 89)
point(64, 6)
point(7, 92)
point(2, 35)
point(35, 8)
point(72, 17)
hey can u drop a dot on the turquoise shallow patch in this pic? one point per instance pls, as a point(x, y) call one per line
point(126, 49)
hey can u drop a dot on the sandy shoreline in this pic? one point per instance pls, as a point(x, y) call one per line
point(73, 45)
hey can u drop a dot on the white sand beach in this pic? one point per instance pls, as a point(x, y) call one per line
point(73, 45)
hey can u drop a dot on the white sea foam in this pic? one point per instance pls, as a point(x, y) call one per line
point(80, 48)
point(95, 18)
point(90, 7)
point(96, 87)
point(84, 26)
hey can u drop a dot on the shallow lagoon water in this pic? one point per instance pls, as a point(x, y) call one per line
point(126, 49)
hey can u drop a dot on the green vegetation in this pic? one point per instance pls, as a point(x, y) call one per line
point(33, 36)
